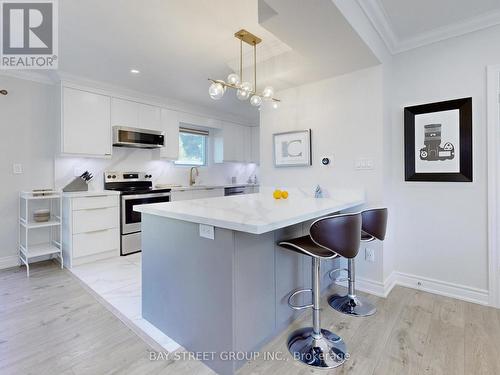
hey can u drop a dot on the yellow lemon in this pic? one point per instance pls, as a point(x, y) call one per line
point(277, 194)
point(284, 194)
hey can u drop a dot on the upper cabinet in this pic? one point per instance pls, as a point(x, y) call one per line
point(255, 144)
point(170, 125)
point(85, 123)
point(235, 143)
point(135, 115)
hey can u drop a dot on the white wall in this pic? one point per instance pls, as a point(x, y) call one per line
point(28, 137)
point(346, 118)
point(440, 229)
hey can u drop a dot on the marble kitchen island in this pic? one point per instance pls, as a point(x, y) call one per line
point(228, 294)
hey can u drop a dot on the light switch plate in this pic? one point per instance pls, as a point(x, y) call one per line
point(17, 168)
point(207, 231)
point(363, 164)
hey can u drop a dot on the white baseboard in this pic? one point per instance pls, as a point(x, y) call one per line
point(443, 288)
point(9, 262)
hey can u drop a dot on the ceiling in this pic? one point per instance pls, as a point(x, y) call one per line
point(407, 24)
point(178, 44)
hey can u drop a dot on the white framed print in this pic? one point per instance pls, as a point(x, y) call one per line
point(292, 149)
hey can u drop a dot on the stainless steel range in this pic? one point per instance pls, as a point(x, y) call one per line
point(136, 188)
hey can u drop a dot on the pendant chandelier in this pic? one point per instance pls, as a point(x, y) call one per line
point(244, 89)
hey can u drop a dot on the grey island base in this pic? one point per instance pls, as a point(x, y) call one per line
point(226, 296)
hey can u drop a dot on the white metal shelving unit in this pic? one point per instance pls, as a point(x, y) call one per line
point(51, 244)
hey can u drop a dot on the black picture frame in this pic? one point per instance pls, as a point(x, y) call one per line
point(464, 106)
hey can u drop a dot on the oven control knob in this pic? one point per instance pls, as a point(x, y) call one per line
point(148, 176)
point(114, 176)
point(109, 176)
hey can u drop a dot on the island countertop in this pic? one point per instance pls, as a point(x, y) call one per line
point(255, 213)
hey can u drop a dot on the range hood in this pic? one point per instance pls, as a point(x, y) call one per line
point(137, 138)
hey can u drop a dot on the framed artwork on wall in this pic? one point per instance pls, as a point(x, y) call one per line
point(292, 149)
point(438, 141)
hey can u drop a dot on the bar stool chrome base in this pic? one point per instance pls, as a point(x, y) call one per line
point(327, 351)
point(352, 305)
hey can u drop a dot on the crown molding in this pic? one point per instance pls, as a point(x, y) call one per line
point(28, 75)
point(375, 12)
point(377, 15)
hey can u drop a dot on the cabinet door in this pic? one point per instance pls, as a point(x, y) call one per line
point(247, 144)
point(255, 144)
point(181, 195)
point(150, 117)
point(124, 113)
point(170, 125)
point(233, 142)
point(85, 123)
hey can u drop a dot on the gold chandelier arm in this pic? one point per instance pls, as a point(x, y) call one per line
point(255, 68)
point(241, 60)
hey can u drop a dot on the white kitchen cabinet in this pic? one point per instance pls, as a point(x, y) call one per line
point(185, 194)
point(91, 227)
point(170, 125)
point(255, 144)
point(247, 144)
point(232, 143)
point(135, 115)
point(181, 195)
point(150, 117)
point(207, 193)
point(85, 123)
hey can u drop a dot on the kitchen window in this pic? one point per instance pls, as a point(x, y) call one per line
point(192, 147)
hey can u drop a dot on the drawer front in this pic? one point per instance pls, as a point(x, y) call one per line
point(90, 243)
point(92, 220)
point(99, 201)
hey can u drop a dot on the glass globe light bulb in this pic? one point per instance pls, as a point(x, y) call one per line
point(216, 90)
point(233, 79)
point(247, 86)
point(242, 94)
point(268, 93)
point(256, 100)
point(275, 105)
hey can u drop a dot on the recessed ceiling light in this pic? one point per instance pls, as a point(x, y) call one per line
point(134, 71)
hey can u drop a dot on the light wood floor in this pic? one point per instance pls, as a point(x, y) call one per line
point(49, 324)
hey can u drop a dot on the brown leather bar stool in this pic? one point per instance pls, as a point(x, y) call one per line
point(374, 224)
point(328, 238)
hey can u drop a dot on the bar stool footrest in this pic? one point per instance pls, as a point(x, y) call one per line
point(299, 307)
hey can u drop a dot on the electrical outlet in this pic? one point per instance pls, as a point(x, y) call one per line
point(369, 255)
point(207, 231)
point(17, 168)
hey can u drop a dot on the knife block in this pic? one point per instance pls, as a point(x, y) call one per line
point(78, 184)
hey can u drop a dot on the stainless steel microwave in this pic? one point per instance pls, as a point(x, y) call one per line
point(139, 138)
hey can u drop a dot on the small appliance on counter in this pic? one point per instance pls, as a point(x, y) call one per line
point(79, 183)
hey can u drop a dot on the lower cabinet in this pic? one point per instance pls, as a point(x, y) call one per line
point(182, 195)
point(91, 228)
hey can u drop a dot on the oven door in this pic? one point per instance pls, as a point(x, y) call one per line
point(130, 219)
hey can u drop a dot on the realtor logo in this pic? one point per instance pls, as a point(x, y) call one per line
point(28, 34)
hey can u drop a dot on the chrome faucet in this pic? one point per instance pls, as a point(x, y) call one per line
point(192, 177)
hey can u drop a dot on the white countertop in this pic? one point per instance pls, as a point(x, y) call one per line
point(255, 213)
point(94, 193)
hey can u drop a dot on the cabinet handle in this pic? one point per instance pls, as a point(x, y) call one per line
point(98, 230)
